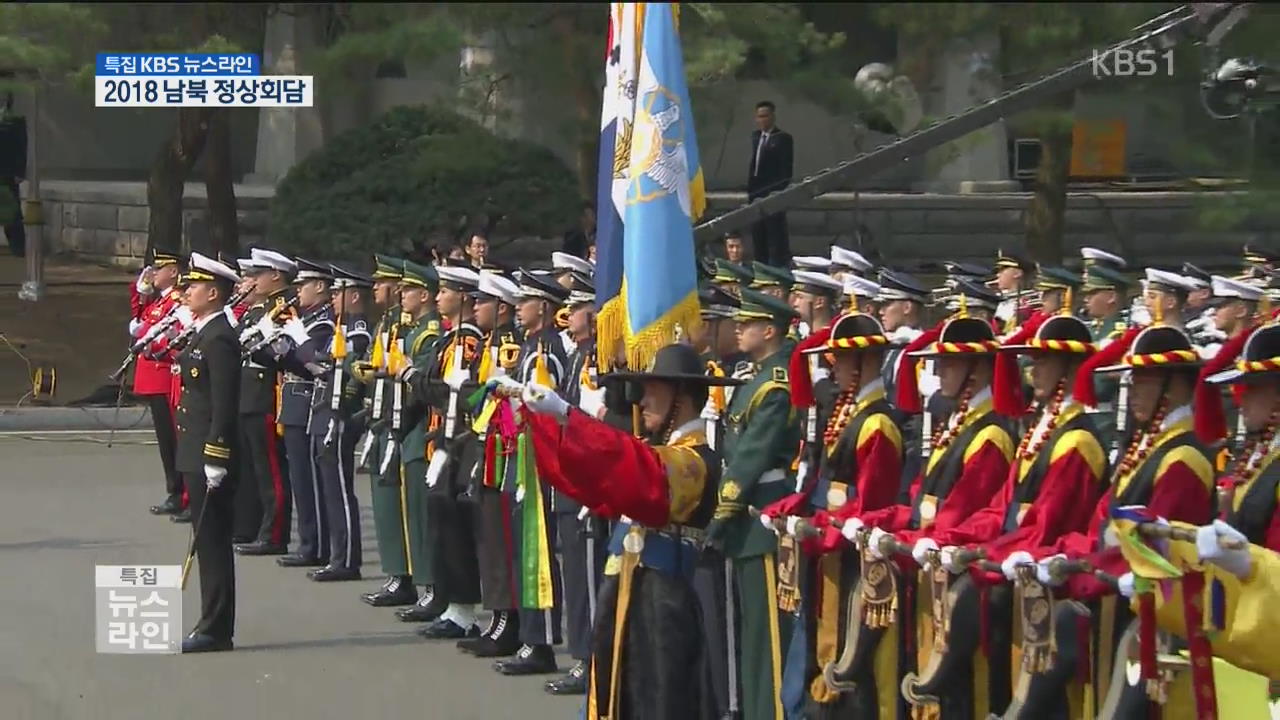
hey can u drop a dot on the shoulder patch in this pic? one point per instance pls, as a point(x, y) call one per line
point(1192, 458)
point(433, 326)
point(360, 325)
point(1085, 443)
point(780, 375)
point(995, 435)
point(881, 424)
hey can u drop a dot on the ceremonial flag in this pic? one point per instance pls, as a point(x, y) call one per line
point(647, 273)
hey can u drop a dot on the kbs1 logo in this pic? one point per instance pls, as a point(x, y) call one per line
point(1132, 63)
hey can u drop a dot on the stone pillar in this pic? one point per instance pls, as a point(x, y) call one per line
point(285, 135)
point(967, 75)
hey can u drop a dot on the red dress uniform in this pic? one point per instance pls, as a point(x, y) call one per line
point(152, 377)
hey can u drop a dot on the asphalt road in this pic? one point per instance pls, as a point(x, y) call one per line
point(303, 650)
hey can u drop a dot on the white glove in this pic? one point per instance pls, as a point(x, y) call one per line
point(850, 529)
point(405, 373)
point(1010, 565)
point(296, 331)
point(1236, 562)
point(542, 399)
point(265, 325)
point(820, 374)
point(592, 402)
point(456, 378)
point(709, 411)
point(921, 551)
point(213, 476)
point(511, 385)
point(141, 285)
point(873, 543)
point(134, 324)
point(793, 521)
point(767, 522)
point(185, 317)
point(946, 555)
point(1042, 570)
point(1124, 584)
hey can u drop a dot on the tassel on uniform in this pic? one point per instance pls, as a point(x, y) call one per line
point(908, 396)
point(1210, 419)
point(1111, 354)
point(798, 367)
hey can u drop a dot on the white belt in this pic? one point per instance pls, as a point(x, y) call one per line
point(772, 476)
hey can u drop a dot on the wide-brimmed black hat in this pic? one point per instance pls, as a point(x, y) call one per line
point(1259, 359)
point(1159, 347)
point(854, 332)
point(963, 336)
point(677, 363)
point(1060, 333)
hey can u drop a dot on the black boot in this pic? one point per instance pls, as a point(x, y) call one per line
point(529, 660)
point(170, 506)
point(501, 639)
point(397, 590)
point(573, 683)
point(429, 607)
point(182, 516)
point(259, 547)
point(442, 629)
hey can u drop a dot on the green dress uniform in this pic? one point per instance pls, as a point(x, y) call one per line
point(1107, 387)
point(762, 434)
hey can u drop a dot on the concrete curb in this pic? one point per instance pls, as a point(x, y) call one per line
point(36, 419)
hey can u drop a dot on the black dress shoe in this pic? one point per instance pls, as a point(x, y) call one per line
point(487, 647)
point(574, 683)
point(398, 590)
point(448, 630)
point(334, 574)
point(425, 610)
point(199, 642)
point(262, 548)
point(529, 660)
point(296, 560)
point(168, 507)
point(183, 516)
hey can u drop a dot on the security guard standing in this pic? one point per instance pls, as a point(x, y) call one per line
point(762, 436)
point(208, 445)
point(387, 499)
point(334, 431)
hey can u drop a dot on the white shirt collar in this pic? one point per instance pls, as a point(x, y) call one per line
point(1177, 415)
point(691, 426)
point(869, 388)
point(980, 397)
point(201, 322)
point(905, 334)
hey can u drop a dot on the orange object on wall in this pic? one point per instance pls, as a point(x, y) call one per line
point(1098, 149)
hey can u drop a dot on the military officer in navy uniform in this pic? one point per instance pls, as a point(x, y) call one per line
point(298, 354)
point(208, 446)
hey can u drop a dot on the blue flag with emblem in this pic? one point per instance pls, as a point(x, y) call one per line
point(656, 165)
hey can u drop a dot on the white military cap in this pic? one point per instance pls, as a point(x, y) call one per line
point(462, 278)
point(565, 261)
point(499, 286)
point(247, 265)
point(270, 259)
point(1102, 257)
point(845, 257)
point(1166, 281)
point(1225, 287)
point(206, 269)
point(811, 262)
point(817, 281)
point(855, 286)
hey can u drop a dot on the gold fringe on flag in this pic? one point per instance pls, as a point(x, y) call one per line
point(644, 345)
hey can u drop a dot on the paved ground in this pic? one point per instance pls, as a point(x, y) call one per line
point(303, 650)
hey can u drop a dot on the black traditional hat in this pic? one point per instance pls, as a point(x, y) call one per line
point(962, 336)
point(1060, 333)
point(677, 363)
point(854, 332)
point(1259, 359)
point(1159, 347)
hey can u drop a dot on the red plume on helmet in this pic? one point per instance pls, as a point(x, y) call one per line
point(1109, 355)
point(1210, 419)
point(801, 383)
point(908, 398)
point(1006, 386)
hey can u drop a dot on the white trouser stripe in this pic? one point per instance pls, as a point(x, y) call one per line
point(342, 490)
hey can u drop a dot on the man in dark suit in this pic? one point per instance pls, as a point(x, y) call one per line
point(207, 444)
point(13, 167)
point(769, 171)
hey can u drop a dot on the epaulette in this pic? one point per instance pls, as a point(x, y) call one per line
point(433, 327)
point(780, 375)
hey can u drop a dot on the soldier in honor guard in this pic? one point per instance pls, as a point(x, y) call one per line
point(1058, 288)
point(1105, 300)
point(860, 295)
point(716, 340)
point(648, 648)
point(970, 298)
point(208, 445)
point(155, 298)
point(731, 278)
point(387, 491)
point(816, 299)
point(1198, 312)
point(771, 280)
point(410, 445)
point(495, 317)
point(901, 304)
point(541, 359)
point(1165, 297)
point(335, 431)
point(762, 436)
point(448, 379)
point(298, 353)
point(811, 263)
point(1014, 272)
point(583, 536)
point(265, 466)
point(856, 470)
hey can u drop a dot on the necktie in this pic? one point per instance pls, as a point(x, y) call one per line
point(764, 137)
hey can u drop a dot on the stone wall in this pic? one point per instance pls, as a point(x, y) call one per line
point(1149, 228)
point(107, 221)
